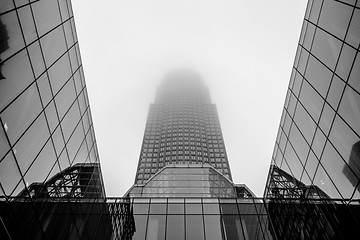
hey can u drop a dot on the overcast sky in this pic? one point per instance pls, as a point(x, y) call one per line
point(243, 49)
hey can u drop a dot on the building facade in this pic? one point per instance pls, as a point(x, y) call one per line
point(49, 164)
point(183, 187)
point(182, 127)
point(315, 161)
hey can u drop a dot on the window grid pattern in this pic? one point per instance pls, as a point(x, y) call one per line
point(182, 128)
point(319, 134)
point(200, 218)
point(45, 117)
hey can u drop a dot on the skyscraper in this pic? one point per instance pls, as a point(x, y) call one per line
point(182, 128)
point(314, 177)
point(183, 187)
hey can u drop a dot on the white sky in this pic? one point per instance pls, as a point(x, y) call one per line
point(243, 49)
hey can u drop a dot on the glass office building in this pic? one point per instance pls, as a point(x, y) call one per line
point(45, 118)
point(183, 187)
point(182, 127)
point(316, 156)
point(51, 185)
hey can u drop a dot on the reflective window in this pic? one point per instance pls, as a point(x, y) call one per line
point(175, 227)
point(305, 123)
point(27, 24)
point(232, 227)
point(53, 45)
point(354, 75)
point(335, 18)
point(46, 16)
point(309, 36)
point(212, 227)
point(326, 48)
point(140, 223)
point(156, 227)
point(318, 76)
point(315, 10)
point(9, 174)
point(350, 109)
point(194, 227)
point(60, 73)
point(335, 92)
point(353, 36)
point(21, 113)
point(311, 100)
point(345, 61)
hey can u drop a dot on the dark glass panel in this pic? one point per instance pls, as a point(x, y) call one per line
point(287, 124)
point(32, 141)
point(44, 89)
point(14, 40)
point(309, 36)
point(158, 208)
point(338, 171)
point(318, 76)
point(175, 227)
point(318, 143)
point(299, 144)
point(4, 145)
point(311, 164)
point(335, 17)
point(293, 161)
point(252, 226)
point(18, 76)
point(42, 165)
point(247, 208)
point(335, 92)
point(315, 10)
point(70, 121)
point(36, 58)
point(326, 119)
point(140, 225)
point(350, 109)
point(305, 123)
point(156, 227)
point(74, 144)
point(194, 227)
point(354, 75)
point(51, 116)
point(343, 138)
point(53, 45)
point(64, 160)
point(232, 227)
point(311, 100)
point(175, 208)
point(9, 174)
point(21, 113)
point(353, 35)
point(345, 61)
point(227, 208)
point(46, 14)
point(323, 181)
point(213, 227)
point(326, 48)
point(27, 24)
point(60, 73)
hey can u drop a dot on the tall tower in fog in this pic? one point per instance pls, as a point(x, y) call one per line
point(182, 128)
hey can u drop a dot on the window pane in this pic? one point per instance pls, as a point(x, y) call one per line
point(194, 227)
point(175, 208)
point(9, 173)
point(213, 227)
point(353, 36)
point(140, 225)
point(157, 208)
point(232, 227)
point(156, 227)
point(46, 14)
point(20, 114)
point(175, 227)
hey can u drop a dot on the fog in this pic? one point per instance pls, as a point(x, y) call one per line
point(244, 51)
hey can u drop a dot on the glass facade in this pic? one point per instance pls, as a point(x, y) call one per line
point(200, 218)
point(190, 180)
point(45, 118)
point(182, 128)
point(317, 147)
